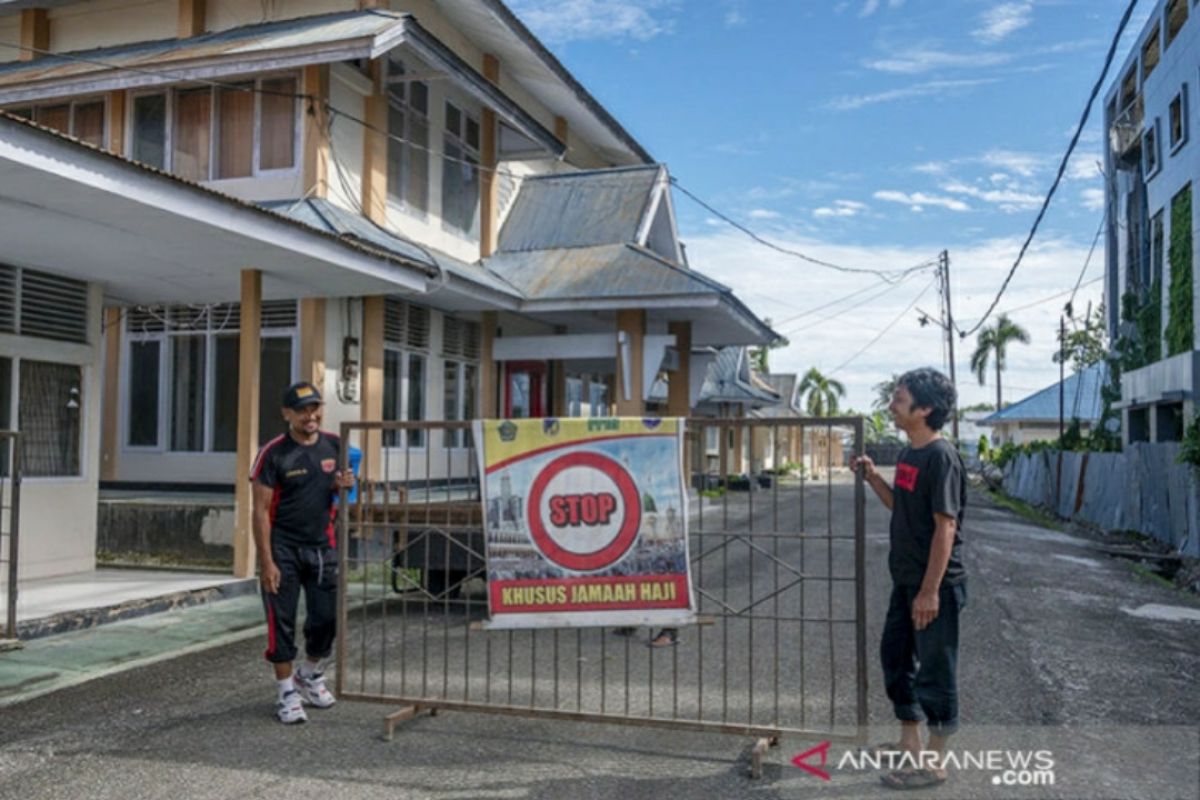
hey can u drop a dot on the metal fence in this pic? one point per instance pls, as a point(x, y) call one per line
point(776, 542)
point(10, 525)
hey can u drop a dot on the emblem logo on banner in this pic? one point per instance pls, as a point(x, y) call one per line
point(586, 524)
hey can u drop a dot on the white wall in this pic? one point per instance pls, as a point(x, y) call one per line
point(346, 157)
point(58, 515)
point(225, 14)
point(102, 23)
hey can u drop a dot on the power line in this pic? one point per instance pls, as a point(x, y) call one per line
point(883, 332)
point(843, 312)
point(1070, 307)
point(1062, 168)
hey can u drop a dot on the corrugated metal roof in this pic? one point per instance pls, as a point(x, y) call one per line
point(1081, 399)
point(579, 209)
point(613, 270)
point(244, 41)
point(730, 380)
point(784, 385)
point(326, 216)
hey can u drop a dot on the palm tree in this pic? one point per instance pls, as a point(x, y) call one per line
point(822, 393)
point(884, 391)
point(992, 345)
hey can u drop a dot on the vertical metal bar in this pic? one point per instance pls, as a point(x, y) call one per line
point(750, 620)
point(829, 570)
point(14, 534)
point(533, 667)
point(579, 669)
point(403, 498)
point(603, 669)
point(775, 558)
point(627, 638)
point(469, 604)
point(449, 529)
point(384, 573)
point(427, 595)
point(702, 443)
point(803, 586)
point(556, 669)
point(364, 578)
point(860, 584)
point(510, 666)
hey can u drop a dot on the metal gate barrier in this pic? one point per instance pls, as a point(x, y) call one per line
point(776, 529)
point(10, 527)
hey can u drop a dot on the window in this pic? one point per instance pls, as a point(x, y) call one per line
point(1177, 14)
point(49, 410)
point(83, 119)
point(574, 397)
point(1177, 119)
point(1150, 159)
point(460, 381)
point(460, 172)
point(598, 399)
point(1151, 53)
point(408, 119)
point(42, 305)
point(183, 371)
point(406, 341)
point(201, 134)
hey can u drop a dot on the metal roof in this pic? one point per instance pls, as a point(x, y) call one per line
point(1082, 400)
point(730, 380)
point(326, 216)
point(580, 209)
point(784, 385)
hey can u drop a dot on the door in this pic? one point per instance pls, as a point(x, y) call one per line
point(524, 389)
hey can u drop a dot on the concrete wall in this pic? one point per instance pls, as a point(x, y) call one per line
point(103, 23)
point(1142, 489)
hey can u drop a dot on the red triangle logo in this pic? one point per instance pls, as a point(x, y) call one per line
point(823, 751)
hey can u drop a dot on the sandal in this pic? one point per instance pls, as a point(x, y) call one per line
point(912, 779)
point(667, 637)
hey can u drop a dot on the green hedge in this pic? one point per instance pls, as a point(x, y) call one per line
point(1180, 332)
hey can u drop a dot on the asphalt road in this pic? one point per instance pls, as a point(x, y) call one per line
point(1052, 659)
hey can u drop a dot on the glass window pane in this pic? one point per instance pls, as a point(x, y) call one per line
point(598, 399)
point(278, 135)
point(274, 377)
point(192, 133)
point(472, 134)
point(395, 162)
point(418, 97)
point(416, 398)
point(56, 117)
point(518, 390)
point(49, 410)
point(470, 391)
point(235, 132)
point(416, 190)
point(225, 393)
point(187, 393)
point(393, 375)
point(574, 397)
point(143, 393)
point(150, 130)
point(450, 400)
point(88, 123)
point(5, 414)
point(23, 113)
point(453, 120)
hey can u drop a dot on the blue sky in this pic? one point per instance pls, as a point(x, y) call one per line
point(871, 133)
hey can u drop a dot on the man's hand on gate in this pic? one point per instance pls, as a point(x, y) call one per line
point(344, 479)
point(867, 464)
point(269, 577)
point(924, 609)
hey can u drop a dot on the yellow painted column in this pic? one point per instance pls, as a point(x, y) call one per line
point(375, 149)
point(316, 142)
point(110, 406)
point(631, 323)
point(249, 356)
point(35, 34)
point(371, 405)
point(115, 123)
point(191, 18)
point(312, 341)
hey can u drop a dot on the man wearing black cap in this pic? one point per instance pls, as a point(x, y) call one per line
point(296, 480)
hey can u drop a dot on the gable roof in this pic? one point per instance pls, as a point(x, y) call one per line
point(784, 385)
point(1082, 400)
point(731, 380)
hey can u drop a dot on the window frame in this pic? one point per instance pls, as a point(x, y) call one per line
point(1152, 132)
point(459, 439)
point(71, 103)
point(459, 138)
point(402, 103)
point(1182, 97)
point(166, 381)
point(407, 354)
point(214, 144)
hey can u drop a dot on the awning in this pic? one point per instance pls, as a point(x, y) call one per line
point(324, 39)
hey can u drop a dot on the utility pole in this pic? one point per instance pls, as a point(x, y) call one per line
point(944, 273)
point(1062, 374)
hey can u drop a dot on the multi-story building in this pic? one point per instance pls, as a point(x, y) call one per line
point(1152, 162)
point(412, 204)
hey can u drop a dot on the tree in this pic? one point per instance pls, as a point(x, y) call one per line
point(992, 346)
point(1086, 346)
point(884, 391)
point(821, 393)
point(759, 355)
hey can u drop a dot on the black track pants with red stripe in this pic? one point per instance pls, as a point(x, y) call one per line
point(313, 569)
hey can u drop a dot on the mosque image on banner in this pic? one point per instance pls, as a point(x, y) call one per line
point(586, 522)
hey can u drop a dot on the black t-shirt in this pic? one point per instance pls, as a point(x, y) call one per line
point(929, 480)
point(302, 477)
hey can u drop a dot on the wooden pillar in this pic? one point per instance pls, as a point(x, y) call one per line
point(488, 372)
point(35, 34)
point(558, 371)
point(562, 131)
point(489, 159)
point(738, 442)
point(110, 406)
point(679, 403)
point(371, 406)
point(191, 18)
point(116, 122)
point(249, 356)
point(375, 149)
point(316, 142)
point(312, 341)
point(630, 400)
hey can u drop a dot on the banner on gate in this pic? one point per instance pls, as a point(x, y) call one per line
point(586, 522)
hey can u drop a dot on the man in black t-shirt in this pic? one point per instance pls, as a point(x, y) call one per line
point(919, 647)
point(296, 480)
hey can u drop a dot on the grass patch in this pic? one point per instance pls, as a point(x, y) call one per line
point(1025, 511)
point(1143, 572)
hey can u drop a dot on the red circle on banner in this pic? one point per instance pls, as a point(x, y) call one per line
point(626, 535)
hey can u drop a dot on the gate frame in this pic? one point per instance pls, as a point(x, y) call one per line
point(766, 736)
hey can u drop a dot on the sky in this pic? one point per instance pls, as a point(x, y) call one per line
point(872, 134)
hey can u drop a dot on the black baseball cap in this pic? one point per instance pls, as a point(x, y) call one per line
point(301, 394)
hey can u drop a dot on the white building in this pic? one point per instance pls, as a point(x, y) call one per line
point(1151, 164)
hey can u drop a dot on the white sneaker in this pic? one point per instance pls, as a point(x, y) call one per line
point(312, 689)
point(289, 709)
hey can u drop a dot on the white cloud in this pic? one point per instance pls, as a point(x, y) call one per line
point(840, 208)
point(764, 213)
point(1024, 164)
point(1083, 167)
point(869, 8)
point(931, 167)
point(1008, 199)
point(917, 201)
point(926, 89)
point(1001, 21)
point(562, 21)
point(1093, 199)
point(816, 341)
point(918, 60)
